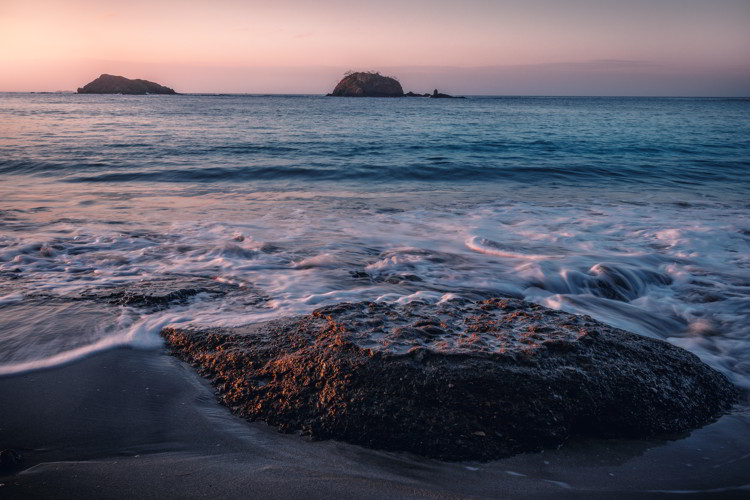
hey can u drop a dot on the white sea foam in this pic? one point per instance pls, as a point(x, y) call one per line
point(490, 247)
point(674, 273)
point(11, 298)
point(142, 333)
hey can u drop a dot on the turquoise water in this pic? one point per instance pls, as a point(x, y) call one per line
point(632, 210)
point(299, 139)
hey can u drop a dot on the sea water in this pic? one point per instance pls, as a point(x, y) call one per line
point(635, 211)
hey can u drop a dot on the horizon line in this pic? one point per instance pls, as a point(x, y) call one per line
point(316, 94)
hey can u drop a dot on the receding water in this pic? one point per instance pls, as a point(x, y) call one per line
point(634, 211)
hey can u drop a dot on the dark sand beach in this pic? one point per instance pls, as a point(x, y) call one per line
point(132, 423)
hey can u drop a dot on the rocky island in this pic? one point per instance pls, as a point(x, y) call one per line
point(367, 84)
point(458, 380)
point(373, 84)
point(111, 84)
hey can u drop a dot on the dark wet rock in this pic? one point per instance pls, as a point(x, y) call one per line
point(394, 279)
point(695, 295)
point(169, 290)
point(9, 459)
point(412, 94)
point(459, 380)
point(270, 248)
point(6, 277)
point(111, 84)
point(368, 84)
point(437, 95)
point(403, 279)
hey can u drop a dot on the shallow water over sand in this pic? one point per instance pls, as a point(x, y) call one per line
point(632, 211)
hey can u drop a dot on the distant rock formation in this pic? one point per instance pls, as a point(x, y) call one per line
point(435, 95)
point(373, 84)
point(111, 84)
point(438, 95)
point(368, 84)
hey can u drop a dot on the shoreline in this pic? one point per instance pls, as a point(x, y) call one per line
point(128, 422)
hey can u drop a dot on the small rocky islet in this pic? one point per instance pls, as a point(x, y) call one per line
point(373, 84)
point(112, 84)
point(457, 380)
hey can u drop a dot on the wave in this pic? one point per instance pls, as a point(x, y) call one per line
point(614, 281)
point(440, 171)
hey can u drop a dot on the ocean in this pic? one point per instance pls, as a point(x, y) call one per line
point(635, 211)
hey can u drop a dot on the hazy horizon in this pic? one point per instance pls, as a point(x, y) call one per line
point(480, 47)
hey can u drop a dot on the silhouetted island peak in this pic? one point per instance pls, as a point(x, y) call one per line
point(368, 84)
point(112, 84)
point(373, 84)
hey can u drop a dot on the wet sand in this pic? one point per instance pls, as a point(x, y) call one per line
point(135, 423)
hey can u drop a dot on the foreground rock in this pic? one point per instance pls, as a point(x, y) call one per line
point(111, 84)
point(367, 84)
point(455, 381)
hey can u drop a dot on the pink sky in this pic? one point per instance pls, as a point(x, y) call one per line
point(571, 47)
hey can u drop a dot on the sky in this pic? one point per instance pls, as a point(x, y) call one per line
point(475, 47)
